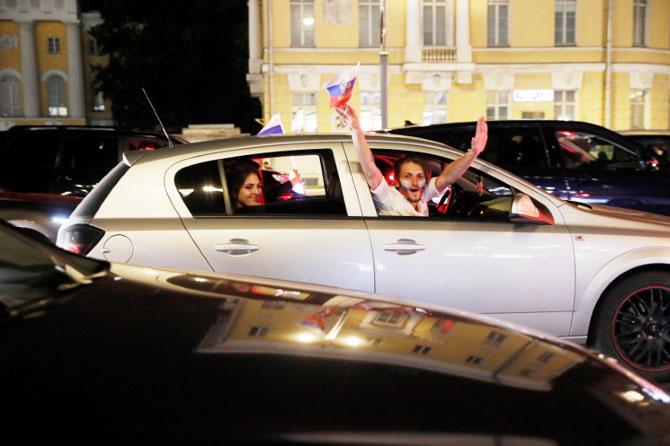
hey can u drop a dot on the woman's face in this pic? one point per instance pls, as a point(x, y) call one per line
point(251, 191)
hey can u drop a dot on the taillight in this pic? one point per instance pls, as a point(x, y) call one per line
point(80, 238)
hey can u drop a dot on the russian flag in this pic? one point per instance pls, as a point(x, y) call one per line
point(273, 126)
point(340, 87)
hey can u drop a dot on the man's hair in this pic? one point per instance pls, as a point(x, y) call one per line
point(412, 159)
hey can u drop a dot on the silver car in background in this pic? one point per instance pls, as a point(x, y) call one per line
point(494, 244)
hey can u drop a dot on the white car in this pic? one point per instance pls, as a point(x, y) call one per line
point(494, 244)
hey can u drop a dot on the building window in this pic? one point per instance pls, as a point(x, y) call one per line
point(435, 22)
point(495, 338)
point(93, 47)
point(476, 360)
point(303, 113)
point(53, 45)
point(421, 349)
point(258, 331)
point(302, 23)
point(637, 106)
point(390, 319)
point(564, 22)
point(10, 95)
point(371, 115)
point(640, 22)
point(272, 305)
point(99, 102)
point(497, 105)
point(435, 107)
point(545, 357)
point(497, 22)
point(564, 104)
point(368, 23)
point(57, 105)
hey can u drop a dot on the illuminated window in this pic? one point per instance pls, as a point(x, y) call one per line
point(435, 22)
point(435, 107)
point(302, 23)
point(390, 319)
point(564, 104)
point(497, 22)
point(371, 115)
point(564, 22)
point(57, 105)
point(497, 105)
point(640, 22)
point(637, 108)
point(53, 45)
point(303, 111)
point(368, 23)
point(10, 95)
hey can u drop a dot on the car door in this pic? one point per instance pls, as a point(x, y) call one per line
point(601, 169)
point(310, 232)
point(473, 258)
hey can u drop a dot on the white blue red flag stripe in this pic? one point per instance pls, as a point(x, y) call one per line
point(273, 126)
point(340, 87)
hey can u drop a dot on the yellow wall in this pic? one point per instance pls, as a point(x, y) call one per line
point(591, 24)
point(659, 22)
point(11, 58)
point(660, 102)
point(622, 23)
point(531, 23)
point(478, 23)
point(590, 98)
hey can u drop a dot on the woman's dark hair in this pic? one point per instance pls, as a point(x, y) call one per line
point(236, 174)
point(412, 159)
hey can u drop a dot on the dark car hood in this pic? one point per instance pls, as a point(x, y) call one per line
point(152, 353)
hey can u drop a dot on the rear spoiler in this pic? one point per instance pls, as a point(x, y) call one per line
point(131, 156)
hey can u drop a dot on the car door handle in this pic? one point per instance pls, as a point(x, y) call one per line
point(404, 246)
point(236, 247)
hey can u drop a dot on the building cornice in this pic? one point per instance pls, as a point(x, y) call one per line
point(39, 10)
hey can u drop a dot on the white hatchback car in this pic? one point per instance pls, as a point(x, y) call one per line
point(494, 244)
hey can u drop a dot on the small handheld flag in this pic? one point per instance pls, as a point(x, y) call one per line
point(340, 87)
point(273, 126)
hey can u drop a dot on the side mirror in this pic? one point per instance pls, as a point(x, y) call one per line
point(525, 210)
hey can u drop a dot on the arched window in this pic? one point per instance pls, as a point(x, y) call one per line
point(10, 95)
point(57, 105)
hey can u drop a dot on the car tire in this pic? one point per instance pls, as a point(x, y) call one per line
point(633, 324)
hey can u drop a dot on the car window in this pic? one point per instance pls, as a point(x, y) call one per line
point(476, 195)
point(31, 148)
point(508, 148)
point(90, 152)
point(287, 183)
point(583, 149)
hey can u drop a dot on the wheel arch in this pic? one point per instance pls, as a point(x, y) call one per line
point(665, 267)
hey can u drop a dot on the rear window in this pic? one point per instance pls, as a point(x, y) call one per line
point(33, 148)
point(93, 201)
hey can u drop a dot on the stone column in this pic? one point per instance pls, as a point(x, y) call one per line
point(31, 93)
point(413, 33)
point(255, 37)
point(463, 48)
point(75, 71)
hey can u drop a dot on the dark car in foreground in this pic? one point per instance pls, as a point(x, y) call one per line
point(656, 140)
point(127, 353)
point(576, 161)
point(66, 159)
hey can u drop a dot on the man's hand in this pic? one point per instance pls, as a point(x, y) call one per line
point(481, 136)
point(349, 117)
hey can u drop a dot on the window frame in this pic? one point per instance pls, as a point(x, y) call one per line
point(308, 105)
point(372, 27)
point(433, 33)
point(561, 14)
point(56, 90)
point(496, 104)
point(435, 107)
point(300, 36)
point(561, 103)
point(497, 26)
point(11, 104)
point(53, 46)
point(640, 22)
point(638, 120)
point(328, 163)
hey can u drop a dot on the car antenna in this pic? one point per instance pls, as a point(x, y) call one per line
point(158, 117)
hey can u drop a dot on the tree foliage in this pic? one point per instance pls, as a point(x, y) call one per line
point(190, 56)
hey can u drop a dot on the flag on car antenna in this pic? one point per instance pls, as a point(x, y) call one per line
point(273, 126)
point(340, 87)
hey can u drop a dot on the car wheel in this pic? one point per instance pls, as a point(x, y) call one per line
point(633, 324)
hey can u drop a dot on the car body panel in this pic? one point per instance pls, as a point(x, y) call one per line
point(138, 353)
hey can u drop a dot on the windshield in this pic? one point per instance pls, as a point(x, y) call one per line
point(30, 270)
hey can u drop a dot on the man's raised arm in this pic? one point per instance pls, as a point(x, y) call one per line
point(372, 173)
point(456, 168)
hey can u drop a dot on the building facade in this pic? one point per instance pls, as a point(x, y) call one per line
point(46, 59)
point(601, 61)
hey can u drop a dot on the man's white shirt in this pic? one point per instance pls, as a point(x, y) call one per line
point(389, 201)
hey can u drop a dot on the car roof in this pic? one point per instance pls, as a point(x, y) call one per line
point(218, 145)
point(501, 122)
point(81, 128)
